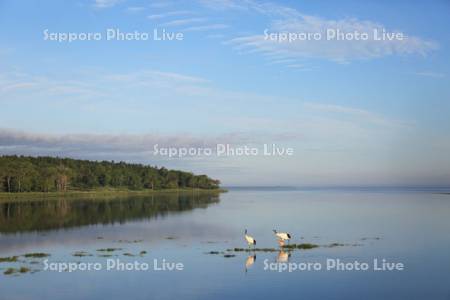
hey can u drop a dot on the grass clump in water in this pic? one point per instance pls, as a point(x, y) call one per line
point(332, 245)
point(81, 254)
point(24, 270)
point(109, 249)
point(9, 259)
point(253, 250)
point(229, 255)
point(10, 271)
point(130, 242)
point(36, 255)
point(335, 245)
point(377, 238)
point(303, 246)
point(142, 253)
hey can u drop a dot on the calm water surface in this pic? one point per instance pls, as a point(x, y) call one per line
point(407, 226)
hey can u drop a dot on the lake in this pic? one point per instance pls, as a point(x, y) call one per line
point(410, 227)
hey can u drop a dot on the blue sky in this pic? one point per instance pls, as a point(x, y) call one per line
point(355, 112)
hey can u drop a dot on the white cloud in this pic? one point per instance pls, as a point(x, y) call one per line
point(14, 84)
point(169, 14)
point(181, 22)
point(431, 74)
point(160, 4)
point(19, 85)
point(207, 27)
point(106, 3)
point(135, 9)
point(215, 36)
point(330, 48)
point(361, 114)
point(223, 4)
point(284, 19)
point(155, 76)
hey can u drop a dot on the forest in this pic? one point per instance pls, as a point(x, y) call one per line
point(54, 174)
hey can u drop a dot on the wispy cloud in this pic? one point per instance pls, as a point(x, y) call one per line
point(364, 115)
point(14, 84)
point(169, 14)
point(160, 4)
point(207, 27)
point(106, 3)
point(215, 36)
point(135, 9)
point(223, 4)
point(155, 76)
point(181, 22)
point(329, 48)
point(431, 74)
point(283, 19)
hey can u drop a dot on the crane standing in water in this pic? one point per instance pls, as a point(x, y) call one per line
point(282, 237)
point(250, 240)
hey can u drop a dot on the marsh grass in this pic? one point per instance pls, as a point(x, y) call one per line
point(24, 270)
point(36, 255)
point(215, 252)
point(335, 245)
point(253, 249)
point(370, 238)
point(81, 254)
point(10, 271)
point(303, 246)
point(105, 255)
point(129, 242)
point(109, 249)
point(9, 259)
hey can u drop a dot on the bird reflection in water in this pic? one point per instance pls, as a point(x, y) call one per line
point(249, 261)
point(283, 256)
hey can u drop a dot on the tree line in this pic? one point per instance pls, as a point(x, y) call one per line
point(48, 174)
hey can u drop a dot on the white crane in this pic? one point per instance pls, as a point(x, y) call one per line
point(250, 240)
point(282, 236)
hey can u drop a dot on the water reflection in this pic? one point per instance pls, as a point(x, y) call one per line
point(283, 256)
point(40, 215)
point(249, 261)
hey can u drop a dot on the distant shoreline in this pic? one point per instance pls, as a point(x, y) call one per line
point(375, 188)
point(99, 194)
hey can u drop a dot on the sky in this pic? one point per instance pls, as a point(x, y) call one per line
point(354, 111)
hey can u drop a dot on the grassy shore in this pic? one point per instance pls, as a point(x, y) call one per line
point(98, 193)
